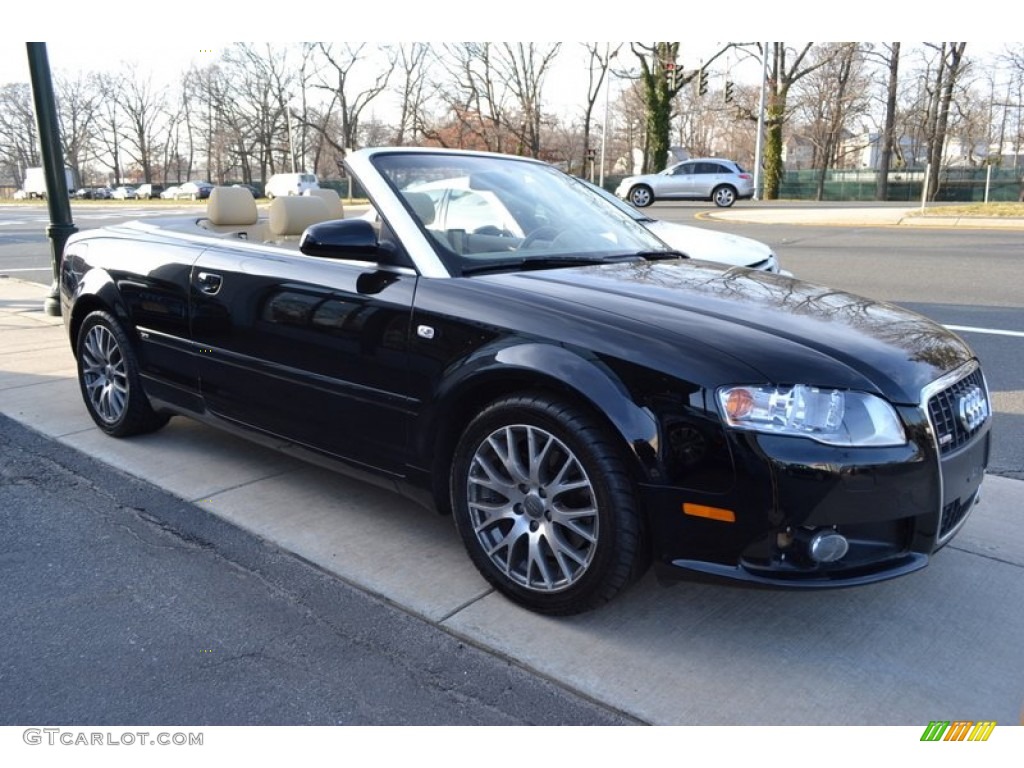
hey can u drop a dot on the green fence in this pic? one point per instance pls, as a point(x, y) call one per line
point(955, 185)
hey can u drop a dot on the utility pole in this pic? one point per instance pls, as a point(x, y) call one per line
point(759, 148)
point(61, 225)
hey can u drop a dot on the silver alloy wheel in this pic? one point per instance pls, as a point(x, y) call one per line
point(533, 508)
point(104, 374)
point(724, 197)
point(641, 197)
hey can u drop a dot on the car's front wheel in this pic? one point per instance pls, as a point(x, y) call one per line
point(724, 196)
point(641, 196)
point(545, 506)
point(108, 373)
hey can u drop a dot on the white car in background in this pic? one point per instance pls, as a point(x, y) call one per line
point(699, 243)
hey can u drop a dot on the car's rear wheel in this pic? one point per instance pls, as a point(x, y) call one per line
point(544, 505)
point(724, 196)
point(641, 196)
point(108, 373)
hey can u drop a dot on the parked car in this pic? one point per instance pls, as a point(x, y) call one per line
point(193, 190)
point(171, 193)
point(123, 193)
point(699, 243)
point(149, 191)
point(252, 190)
point(720, 181)
point(286, 184)
point(577, 394)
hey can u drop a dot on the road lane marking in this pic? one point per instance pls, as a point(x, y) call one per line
point(990, 331)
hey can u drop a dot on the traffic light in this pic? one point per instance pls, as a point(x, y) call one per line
point(703, 87)
point(670, 74)
point(728, 91)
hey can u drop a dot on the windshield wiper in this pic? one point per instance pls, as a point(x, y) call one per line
point(544, 262)
point(661, 255)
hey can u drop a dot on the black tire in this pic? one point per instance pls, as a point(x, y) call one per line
point(641, 196)
point(108, 374)
point(552, 523)
point(723, 196)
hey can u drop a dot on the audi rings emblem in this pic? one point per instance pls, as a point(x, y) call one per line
point(973, 409)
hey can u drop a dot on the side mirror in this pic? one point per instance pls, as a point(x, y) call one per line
point(343, 238)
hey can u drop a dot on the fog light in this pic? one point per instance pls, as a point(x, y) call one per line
point(827, 546)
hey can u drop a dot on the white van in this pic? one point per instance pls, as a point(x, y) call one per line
point(286, 184)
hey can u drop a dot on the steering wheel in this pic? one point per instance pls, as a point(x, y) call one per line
point(541, 233)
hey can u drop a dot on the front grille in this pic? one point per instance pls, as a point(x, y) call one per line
point(944, 411)
point(952, 515)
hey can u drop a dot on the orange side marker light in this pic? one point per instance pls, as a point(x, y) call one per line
point(711, 513)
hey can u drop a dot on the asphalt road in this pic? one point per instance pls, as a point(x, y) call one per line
point(123, 604)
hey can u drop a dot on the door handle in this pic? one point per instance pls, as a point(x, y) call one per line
point(209, 282)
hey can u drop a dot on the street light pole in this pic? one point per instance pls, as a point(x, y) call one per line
point(604, 123)
point(759, 148)
point(61, 225)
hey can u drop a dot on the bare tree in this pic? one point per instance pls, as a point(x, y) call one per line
point(523, 67)
point(144, 108)
point(888, 137)
point(786, 66)
point(413, 60)
point(599, 59)
point(76, 109)
point(831, 96)
point(945, 73)
point(341, 65)
point(474, 98)
point(19, 140)
point(109, 122)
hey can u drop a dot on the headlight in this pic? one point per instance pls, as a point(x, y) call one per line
point(830, 416)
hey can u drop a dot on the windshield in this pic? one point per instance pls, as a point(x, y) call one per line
point(485, 213)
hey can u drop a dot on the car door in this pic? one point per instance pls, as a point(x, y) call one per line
point(706, 177)
point(678, 182)
point(311, 350)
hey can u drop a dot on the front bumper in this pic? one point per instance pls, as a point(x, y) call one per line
point(893, 506)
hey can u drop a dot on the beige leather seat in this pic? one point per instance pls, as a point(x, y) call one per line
point(422, 206)
point(230, 210)
point(332, 198)
point(230, 206)
point(289, 217)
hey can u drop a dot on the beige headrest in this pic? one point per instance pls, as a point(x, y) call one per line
point(291, 215)
point(332, 198)
point(422, 206)
point(231, 206)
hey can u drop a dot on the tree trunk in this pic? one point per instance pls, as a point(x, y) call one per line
point(773, 150)
point(888, 133)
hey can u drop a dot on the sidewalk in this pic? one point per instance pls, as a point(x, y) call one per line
point(753, 213)
point(689, 654)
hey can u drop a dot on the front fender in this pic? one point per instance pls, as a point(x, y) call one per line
point(493, 372)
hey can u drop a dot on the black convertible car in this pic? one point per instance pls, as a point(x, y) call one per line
point(502, 344)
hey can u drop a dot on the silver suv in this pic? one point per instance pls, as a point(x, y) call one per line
point(705, 178)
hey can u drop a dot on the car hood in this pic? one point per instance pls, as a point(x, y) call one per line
point(786, 330)
point(709, 245)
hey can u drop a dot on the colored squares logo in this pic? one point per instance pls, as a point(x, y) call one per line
point(958, 730)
